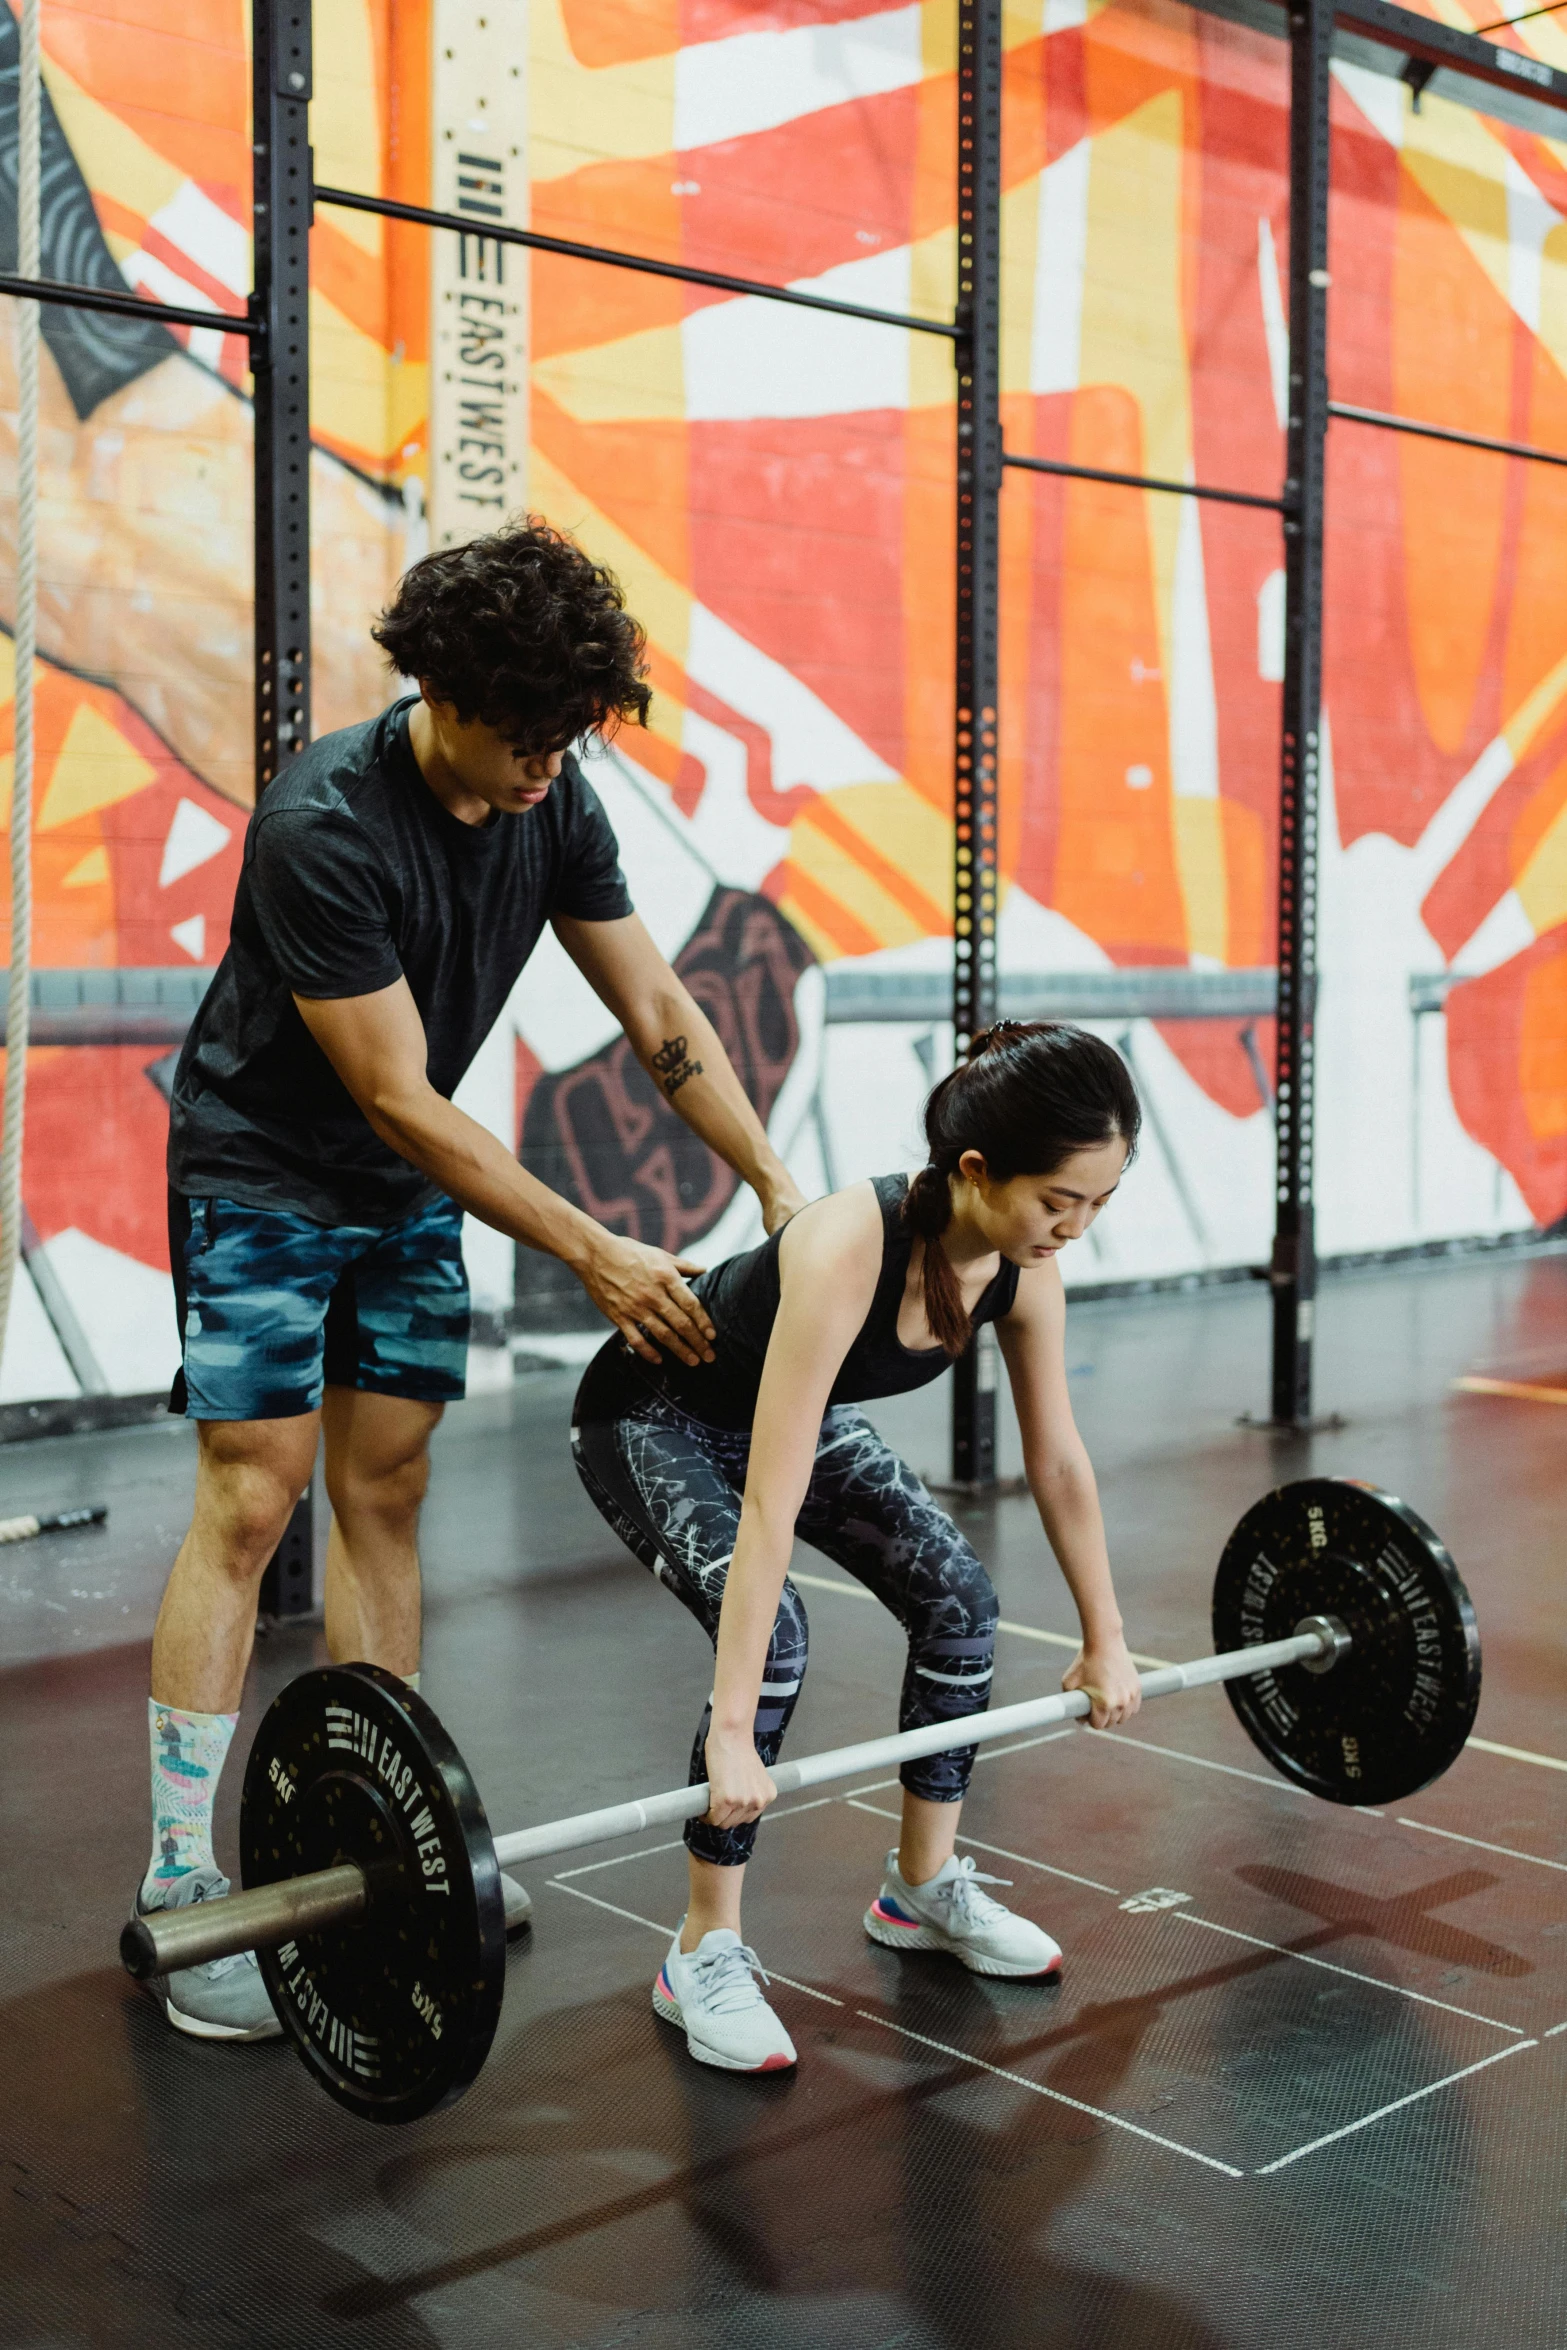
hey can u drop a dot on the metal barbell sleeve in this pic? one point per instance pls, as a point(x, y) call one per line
point(254, 1920)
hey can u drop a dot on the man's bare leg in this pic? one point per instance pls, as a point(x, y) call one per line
point(377, 1470)
point(249, 1475)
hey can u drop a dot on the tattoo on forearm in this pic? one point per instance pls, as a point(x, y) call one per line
point(674, 1066)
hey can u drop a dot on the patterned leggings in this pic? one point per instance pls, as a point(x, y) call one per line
point(671, 1487)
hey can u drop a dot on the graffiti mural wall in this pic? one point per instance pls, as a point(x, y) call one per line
point(775, 489)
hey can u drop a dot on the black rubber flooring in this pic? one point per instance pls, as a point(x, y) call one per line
point(1303, 2079)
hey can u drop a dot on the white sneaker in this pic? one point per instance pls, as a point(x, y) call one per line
point(711, 1991)
point(952, 1914)
point(519, 1905)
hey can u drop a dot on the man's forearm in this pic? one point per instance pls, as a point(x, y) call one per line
point(481, 1175)
point(681, 1051)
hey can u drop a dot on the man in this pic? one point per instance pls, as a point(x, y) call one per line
point(397, 876)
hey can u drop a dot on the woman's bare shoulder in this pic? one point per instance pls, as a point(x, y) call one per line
point(839, 1229)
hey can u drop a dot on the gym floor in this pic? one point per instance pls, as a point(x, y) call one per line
point(1303, 2078)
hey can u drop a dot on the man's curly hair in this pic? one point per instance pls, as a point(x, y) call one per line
point(524, 631)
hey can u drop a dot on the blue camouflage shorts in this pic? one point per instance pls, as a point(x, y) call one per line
point(272, 1308)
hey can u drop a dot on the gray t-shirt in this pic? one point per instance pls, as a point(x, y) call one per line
point(354, 876)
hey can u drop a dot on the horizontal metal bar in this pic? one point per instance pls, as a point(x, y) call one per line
point(1444, 432)
point(875, 1754)
point(69, 297)
point(132, 1005)
point(498, 233)
point(1152, 992)
point(1145, 481)
point(1464, 53)
point(257, 1919)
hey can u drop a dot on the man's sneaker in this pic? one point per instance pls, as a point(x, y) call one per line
point(224, 2000)
point(711, 1991)
point(519, 1905)
point(952, 1914)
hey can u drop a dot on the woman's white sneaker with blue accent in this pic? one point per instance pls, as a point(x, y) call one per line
point(224, 2000)
point(711, 1992)
point(953, 1913)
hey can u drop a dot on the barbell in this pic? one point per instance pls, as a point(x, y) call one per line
point(372, 1881)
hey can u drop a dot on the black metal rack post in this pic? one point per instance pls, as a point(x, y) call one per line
point(974, 845)
point(1294, 1268)
point(281, 80)
point(281, 301)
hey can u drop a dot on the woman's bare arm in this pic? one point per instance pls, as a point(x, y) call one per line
point(829, 1262)
point(1061, 1479)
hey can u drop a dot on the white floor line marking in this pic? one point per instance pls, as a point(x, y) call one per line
point(1231, 1771)
point(643, 1852)
point(1022, 1858)
point(1506, 1850)
point(1378, 1982)
point(1551, 2034)
point(1018, 1631)
point(636, 1919)
point(1547, 1762)
point(1057, 2096)
point(634, 1915)
point(1397, 2104)
point(1022, 1745)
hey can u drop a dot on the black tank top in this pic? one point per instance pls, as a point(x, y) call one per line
point(741, 1297)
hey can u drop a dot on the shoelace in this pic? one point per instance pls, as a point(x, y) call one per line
point(725, 1977)
point(964, 1895)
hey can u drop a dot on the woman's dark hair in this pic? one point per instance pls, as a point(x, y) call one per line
point(524, 631)
point(1030, 1094)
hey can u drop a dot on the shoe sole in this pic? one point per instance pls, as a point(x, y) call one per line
point(931, 1939)
point(196, 2027)
point(670, 2012)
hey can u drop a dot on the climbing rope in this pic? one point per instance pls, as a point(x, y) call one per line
point(18, 1001)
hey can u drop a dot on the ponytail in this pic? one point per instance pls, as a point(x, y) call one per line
point(928, 1211)
point(1030, 1094)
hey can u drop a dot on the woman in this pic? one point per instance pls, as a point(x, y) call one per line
point(869, 1292)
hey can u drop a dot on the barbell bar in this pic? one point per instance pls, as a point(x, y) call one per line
point(262, 1918)
point(1346, 1645)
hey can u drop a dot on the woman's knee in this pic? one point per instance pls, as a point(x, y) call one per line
point(956, 1604)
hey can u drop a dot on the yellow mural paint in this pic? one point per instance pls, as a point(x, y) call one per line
point(123, 166)
point(1199, 858)
point(891, 829)
point(638, 378)
point(581, 115)
point(345, 133)
point(95, 767)
point(1456, 159)
point(89, 871)
point(839, 873)
point(1532, 713)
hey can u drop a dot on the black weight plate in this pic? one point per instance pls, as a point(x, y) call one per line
point(394, 2013)
point(1395, 1711)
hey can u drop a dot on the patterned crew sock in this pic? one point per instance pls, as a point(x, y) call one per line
point(187, 1755)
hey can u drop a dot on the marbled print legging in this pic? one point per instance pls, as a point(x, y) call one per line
point(671, 1488)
